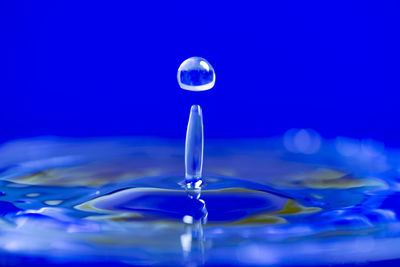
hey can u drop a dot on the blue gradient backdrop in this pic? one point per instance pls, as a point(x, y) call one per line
point(108, 68)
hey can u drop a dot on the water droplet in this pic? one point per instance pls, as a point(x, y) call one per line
point(305, 141)
point(196, 74)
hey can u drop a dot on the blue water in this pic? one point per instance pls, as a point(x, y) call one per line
point(122, 201)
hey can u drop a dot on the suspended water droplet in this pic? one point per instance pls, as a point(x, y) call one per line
point(196, 74)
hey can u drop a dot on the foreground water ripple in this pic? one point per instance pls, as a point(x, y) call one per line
point(122, 200)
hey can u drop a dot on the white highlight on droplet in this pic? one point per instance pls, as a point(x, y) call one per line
point(205, 65)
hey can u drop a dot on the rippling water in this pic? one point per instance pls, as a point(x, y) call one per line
point(121, 201)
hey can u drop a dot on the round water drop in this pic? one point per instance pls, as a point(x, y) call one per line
point(196, 74)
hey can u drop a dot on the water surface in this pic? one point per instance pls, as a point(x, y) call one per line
point(121, 201)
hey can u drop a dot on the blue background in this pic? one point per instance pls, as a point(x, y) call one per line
point(108, 68)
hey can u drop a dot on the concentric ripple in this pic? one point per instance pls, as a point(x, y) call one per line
point(69, 201)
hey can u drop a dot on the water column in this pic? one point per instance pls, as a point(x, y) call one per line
point(194, 74)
